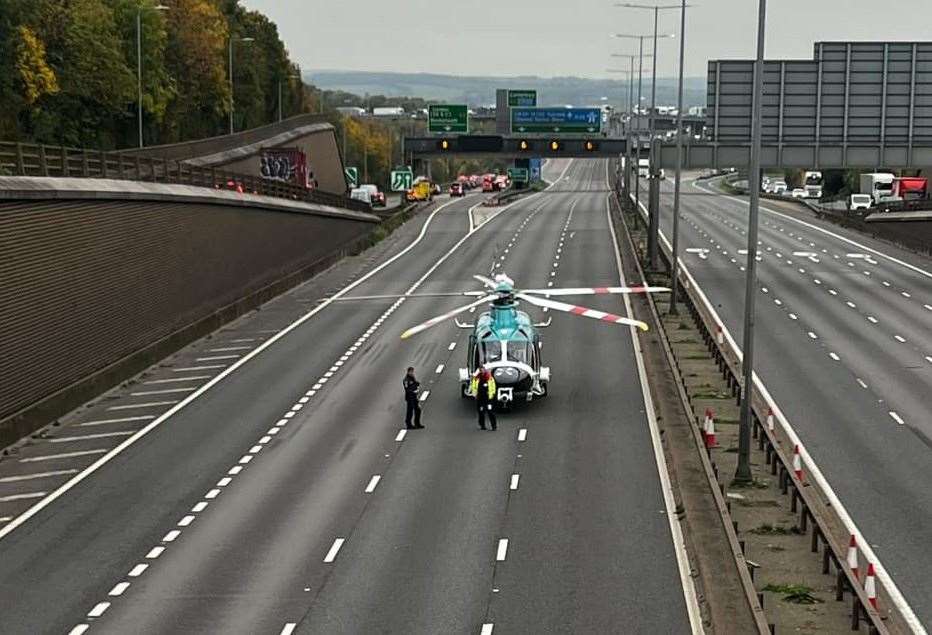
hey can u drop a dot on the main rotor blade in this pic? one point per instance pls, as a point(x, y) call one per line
point(348, 298)
point(486, 281)
point(423, 326)
point(594, 290)
point(583, 311)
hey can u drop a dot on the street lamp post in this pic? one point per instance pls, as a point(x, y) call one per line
point(232, 100)
point(743, 471)
point(157, 7)
point(653, 230)
point(290, 77)
point(674, 285)
point(637, 186)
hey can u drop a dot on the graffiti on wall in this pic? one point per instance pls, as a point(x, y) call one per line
point(284, 164)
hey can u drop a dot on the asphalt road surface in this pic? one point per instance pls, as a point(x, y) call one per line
point(843, 344)
point(280, 495)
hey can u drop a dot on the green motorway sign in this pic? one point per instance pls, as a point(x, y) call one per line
point(518, 175)
point(352, 176)
point(450, 118)
point(522, 98)
point(402, 180)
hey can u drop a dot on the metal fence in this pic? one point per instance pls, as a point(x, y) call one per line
point(24, 159)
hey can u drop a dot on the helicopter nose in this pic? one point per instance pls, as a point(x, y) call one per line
point(508, 375)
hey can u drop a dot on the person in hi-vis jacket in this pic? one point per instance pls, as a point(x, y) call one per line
point(483, 387)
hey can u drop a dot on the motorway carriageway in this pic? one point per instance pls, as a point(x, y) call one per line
point(844, 345)
point(285, 498)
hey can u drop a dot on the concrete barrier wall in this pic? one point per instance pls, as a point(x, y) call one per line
point(92, 291)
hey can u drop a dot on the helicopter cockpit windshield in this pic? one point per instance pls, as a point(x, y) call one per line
point(490, 352)
point(519, 352)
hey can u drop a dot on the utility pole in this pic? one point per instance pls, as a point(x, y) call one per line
point(743, 471)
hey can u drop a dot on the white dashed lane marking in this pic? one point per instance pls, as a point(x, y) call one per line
point(99, 609)
point(514, 481)
point(522, 434)
point(373, 483)
point(897, 418)
point(334, 550)
point(502, 552)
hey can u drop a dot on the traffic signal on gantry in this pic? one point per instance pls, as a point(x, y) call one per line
point(444, 145)
point(554, 146)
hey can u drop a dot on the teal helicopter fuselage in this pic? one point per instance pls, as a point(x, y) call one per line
point(506, 341)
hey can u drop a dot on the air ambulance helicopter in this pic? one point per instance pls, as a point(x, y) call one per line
point(506, 341)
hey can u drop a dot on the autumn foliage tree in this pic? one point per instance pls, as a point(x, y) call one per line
point(68, 70)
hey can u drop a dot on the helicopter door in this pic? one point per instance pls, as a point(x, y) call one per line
point(472, 357)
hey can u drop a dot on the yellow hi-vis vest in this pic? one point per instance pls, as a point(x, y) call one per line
point(474, 386)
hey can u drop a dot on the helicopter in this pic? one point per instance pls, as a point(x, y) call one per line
point(506, 341)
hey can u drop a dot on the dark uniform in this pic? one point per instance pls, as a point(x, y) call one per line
point(484, 389)
point(412, 385)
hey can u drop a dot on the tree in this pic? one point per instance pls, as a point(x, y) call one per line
point(196, 58)
point(158, 86)
point(32, 68)
point(85, 51)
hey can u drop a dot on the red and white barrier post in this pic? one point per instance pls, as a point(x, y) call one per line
point(797, 464)
point(853, 555)
point(870, 585)
point(708, 429)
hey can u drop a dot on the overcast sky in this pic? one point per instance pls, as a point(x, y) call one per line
point(566, 37)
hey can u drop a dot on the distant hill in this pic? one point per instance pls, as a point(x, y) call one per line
point(480, 91)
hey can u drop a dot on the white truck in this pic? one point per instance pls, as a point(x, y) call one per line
point(812, 183)
point(879, 185)
point(644, 168)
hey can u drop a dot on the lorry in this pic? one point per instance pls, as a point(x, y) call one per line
point(879, 185)
point(812, 183)
point(388, 111)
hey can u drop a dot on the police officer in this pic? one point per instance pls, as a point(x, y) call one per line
point(483, 387)
point(411, 386)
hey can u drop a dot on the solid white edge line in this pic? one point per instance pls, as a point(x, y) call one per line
point(815, 473)
point(96, 465)
point(676, 530)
